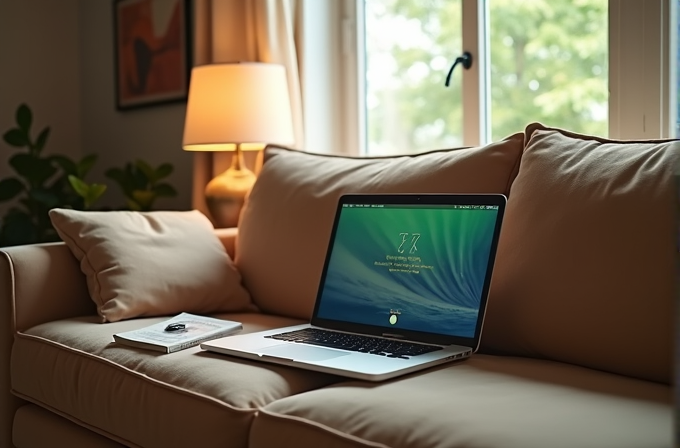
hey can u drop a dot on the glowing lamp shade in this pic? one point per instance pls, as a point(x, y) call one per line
point(236, 107)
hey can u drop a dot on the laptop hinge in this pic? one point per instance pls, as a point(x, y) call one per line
point(393, 335)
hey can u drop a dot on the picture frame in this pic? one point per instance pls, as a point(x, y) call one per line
point(152, 52)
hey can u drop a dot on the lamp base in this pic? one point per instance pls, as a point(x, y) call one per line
point(225, 195)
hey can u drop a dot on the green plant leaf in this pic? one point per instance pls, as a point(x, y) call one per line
point(24, 118)
point(90, 193)
point(146, 170)
point(16, 137)
point(134, 206)
point(163, 171)
point(33, 169)
point(18, 228)
point(66, 164)
point(129, 179)
point(139, 180)
point(85, 164)
point(42, 139)
point(46, 198)
point(144, 198)
point(115, 174)
point(78, 185)
point(61, 186)
point(26, 203)
point(164, 190)
point(124, 179)
point(9, 188)
point(94, 193)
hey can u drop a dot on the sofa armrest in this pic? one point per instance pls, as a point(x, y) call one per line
point(228, 238)
point(41, 283)
point(38, 283)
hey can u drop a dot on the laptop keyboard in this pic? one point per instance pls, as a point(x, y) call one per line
point(356, 343)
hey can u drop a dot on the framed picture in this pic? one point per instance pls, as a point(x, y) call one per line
point(152, 51)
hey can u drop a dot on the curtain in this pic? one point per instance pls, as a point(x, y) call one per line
point(273, 36)
point(253, 31)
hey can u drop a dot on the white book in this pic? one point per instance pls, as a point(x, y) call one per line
point(164, 338)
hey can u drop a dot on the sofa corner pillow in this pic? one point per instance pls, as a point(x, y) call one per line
point(287, 218)
point(151, 263)
point(586, 264)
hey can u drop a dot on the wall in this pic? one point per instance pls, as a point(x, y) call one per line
point(153, 134)
point(57, 56)
point(40, 66)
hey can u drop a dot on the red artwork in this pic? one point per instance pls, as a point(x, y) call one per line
point(151, 52)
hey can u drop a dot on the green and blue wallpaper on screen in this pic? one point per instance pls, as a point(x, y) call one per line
point(413, 268)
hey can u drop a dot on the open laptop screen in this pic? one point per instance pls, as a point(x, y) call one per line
point(419, 267)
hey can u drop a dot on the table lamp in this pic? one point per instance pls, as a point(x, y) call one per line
point(236, 107)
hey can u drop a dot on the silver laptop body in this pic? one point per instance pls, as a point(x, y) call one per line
point(404, 287)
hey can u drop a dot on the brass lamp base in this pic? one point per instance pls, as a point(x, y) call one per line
point(225, 194)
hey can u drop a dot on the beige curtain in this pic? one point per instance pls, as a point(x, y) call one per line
point(246, 30)
point(273, 32)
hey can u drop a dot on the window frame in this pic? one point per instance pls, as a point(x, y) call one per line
point(640, 75)
point(639, 93)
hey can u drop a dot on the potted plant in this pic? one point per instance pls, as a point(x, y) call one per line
point(41, 183)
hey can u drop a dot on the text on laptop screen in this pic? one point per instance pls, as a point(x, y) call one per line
point(409, 267)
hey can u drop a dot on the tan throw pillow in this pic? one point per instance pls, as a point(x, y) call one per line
point(286, 222)
point(151, 264)
point(586, 265)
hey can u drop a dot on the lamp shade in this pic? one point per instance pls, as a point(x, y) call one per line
point(237, 103)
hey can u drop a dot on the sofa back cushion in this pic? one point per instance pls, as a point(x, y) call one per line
point(585, 269)
point(286, 222)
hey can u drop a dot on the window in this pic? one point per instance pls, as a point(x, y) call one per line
point(409, 48)
point(675, 66)
point(593, 66)
point(621, 59)
point(546, 60)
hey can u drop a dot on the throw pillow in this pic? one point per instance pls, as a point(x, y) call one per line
point(286, 222)
point(151, 264)
point(586, 264)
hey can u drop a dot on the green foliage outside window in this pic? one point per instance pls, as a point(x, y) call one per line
point(548, 63)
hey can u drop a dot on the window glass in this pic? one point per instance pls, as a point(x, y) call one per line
point(676, 31)
point(549, 63)
point(409, 46)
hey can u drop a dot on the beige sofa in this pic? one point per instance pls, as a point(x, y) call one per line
point(576, 349)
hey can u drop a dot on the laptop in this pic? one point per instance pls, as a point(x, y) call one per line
point(404, 287)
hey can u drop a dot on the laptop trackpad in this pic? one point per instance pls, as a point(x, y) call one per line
point(301, 352)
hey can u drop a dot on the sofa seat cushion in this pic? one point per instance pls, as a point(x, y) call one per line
point(147, 398)
point(486, 401)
